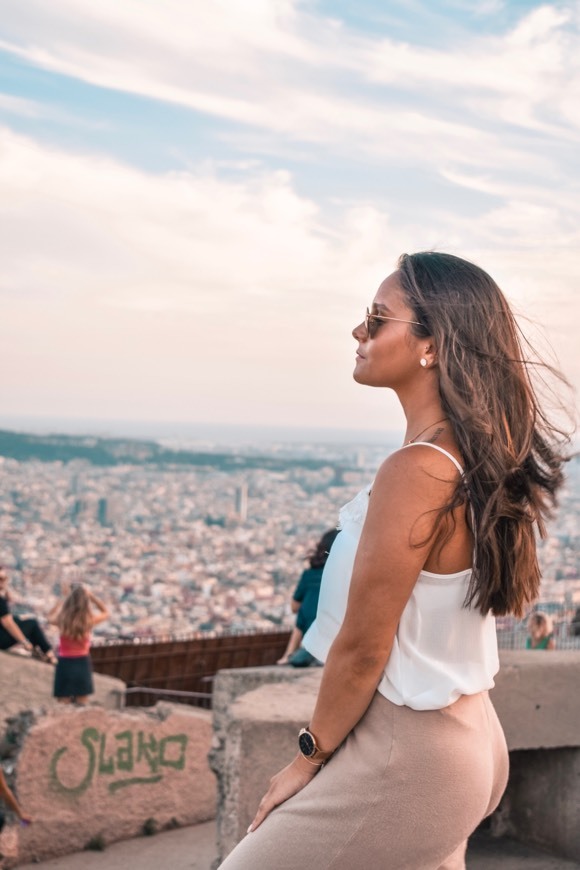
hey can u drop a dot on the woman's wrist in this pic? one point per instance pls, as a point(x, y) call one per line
point(310, 768)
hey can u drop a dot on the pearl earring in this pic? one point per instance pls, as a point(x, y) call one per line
point(423, 362)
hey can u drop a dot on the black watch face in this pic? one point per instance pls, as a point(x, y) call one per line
point(306, 744)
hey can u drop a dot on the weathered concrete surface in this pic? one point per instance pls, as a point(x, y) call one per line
point(489, 853)
point(87, 774)
point(228, 686)
point(537, 701)
point(194, 849)
point(26, 684)
point(256, 722)
point(542, 801)
point(191, 848)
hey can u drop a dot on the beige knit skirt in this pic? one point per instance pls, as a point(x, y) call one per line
point(403, 792)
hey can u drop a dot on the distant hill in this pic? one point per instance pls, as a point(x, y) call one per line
point(127, 451)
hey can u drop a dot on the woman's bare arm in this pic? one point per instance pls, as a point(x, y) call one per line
point(103, 613)
point(409, 489)
point(53, 613)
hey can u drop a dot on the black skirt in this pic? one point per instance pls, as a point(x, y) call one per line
point(73, 677)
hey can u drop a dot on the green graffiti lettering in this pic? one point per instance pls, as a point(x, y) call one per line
point(148, 749)
point(125, 752)
point(136, 780)
point(131, 748)
point(106, 765)
point(179, 762)
point(87, 736)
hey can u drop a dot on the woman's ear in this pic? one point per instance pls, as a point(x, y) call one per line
point(428, 359)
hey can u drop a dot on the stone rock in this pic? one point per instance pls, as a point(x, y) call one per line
point(93, 776)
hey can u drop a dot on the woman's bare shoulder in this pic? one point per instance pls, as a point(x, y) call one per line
point(418, 468)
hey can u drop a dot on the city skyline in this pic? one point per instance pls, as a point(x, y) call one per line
point(177, 549)
point(199, 200)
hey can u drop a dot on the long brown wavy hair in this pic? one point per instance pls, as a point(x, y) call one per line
point(319, 555)
point(512, 453)
point(75, 619)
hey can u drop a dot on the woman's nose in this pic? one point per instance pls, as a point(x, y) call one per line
point(359, 333)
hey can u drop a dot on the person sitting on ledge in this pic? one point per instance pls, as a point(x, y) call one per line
point(404, 755)
point(305, 602)
point(541, 631)
point(24, 631)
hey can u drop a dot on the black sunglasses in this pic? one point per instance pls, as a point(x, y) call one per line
point(373, 321)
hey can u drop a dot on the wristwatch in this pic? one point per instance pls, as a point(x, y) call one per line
point(309, 747)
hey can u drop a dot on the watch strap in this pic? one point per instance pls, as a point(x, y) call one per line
point(316, 755)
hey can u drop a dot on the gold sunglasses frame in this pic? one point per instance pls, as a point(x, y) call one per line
point(383, 317)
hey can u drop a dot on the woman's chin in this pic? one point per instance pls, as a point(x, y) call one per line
point(357, 376)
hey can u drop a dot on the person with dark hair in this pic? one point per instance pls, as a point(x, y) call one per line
point(305, 602)
point(404, 754)
point(541, 631)
point(575, 624)
point(75, 618)
point(23, 631)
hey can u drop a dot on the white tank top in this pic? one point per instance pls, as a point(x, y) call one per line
point(441, 649)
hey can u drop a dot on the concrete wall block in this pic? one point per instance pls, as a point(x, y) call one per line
point(85, 773)
point(229, 685)
point(536, 698)
point(259, 734)
point(542, 801)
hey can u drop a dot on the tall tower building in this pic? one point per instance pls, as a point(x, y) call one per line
point(242, 502)
point(102, 512)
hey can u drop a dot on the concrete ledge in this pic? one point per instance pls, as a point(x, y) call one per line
point(257, 715)
point(26, 684)
point(260, 711)
point(537, 699)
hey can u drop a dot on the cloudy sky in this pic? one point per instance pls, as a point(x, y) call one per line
point(199, 197)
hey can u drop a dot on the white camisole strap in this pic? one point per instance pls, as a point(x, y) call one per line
point(440, 449)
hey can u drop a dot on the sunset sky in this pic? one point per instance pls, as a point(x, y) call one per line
point(199, 197)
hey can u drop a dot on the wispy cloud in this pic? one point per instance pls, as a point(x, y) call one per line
point(20, 106)
point(232, 269)
point(280, 67)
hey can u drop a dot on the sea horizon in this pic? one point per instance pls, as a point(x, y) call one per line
point(234, 434)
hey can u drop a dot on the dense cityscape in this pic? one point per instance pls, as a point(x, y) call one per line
point(175, 550)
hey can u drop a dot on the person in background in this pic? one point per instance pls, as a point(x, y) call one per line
point(305, 602)
point(575, 624)
point(541, 631)
point(8, 798)
point(75, 618)
point(24, 631)
point(404, 754)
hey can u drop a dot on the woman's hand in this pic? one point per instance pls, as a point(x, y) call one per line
point(288, 782)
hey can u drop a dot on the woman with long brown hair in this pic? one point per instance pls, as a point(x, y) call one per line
point(75, 619)
point(404, 754)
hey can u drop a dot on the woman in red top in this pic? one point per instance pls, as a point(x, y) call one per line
point(75, 619)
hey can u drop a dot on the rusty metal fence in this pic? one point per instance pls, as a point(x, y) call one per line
point(182, 669)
